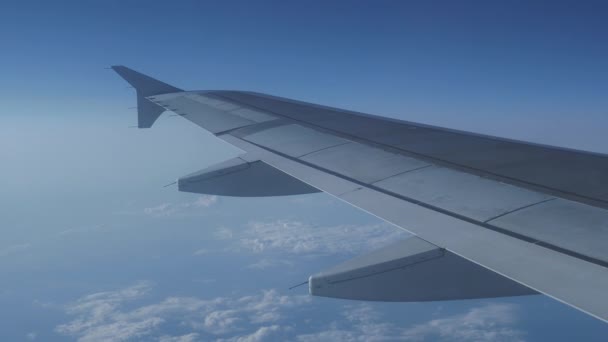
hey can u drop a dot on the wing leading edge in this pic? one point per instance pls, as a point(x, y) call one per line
point(475, 203)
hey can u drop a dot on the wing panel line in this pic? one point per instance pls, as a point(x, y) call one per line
point(441, 210)
point(518, 209)
point(487, 174)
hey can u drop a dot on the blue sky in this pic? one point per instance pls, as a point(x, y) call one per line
point(94, 247)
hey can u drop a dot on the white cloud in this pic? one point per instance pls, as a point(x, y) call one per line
point(296, 237)
point(173, 209)
point(202, 251)
point(109, 315)
point(268, 316)
point(266, 333)
point(333, 334)
point(224, 233)
point(95, 316)
point(491, 322)
point(165, 209)
point(360, 323)
point(183, 338)
point(263, 264)
point(204, 201)
point(31, 335)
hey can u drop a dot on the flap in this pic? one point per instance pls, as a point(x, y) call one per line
point(237, 177)
point(412, 270)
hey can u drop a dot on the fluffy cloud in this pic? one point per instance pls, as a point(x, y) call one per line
point(268, 316)
point(183, 338)
point(96, 316)
point(263, 264)
point(173, 209)
point(296, 237)
point(165, 209)
point(266, 333)
point(204, 201)
point(224, 233)
point(491, 322)
point(281, 242)
point(360, 323)
point(109, 315)
point(201, 251)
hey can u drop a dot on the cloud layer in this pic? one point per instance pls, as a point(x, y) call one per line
point(176, 209)
point(492, 322)
point(109, 315)
point(299, 238)
point(267, 316)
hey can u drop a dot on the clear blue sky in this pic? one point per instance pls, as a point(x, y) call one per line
point(93, 246)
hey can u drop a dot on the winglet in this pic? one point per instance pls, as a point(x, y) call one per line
point(147, 111)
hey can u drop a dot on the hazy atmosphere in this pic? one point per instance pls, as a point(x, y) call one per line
point(94, 248)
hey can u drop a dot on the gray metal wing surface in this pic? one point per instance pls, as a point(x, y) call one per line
point(491, 217)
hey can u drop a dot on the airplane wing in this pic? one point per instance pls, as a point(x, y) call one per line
point(490, 216)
